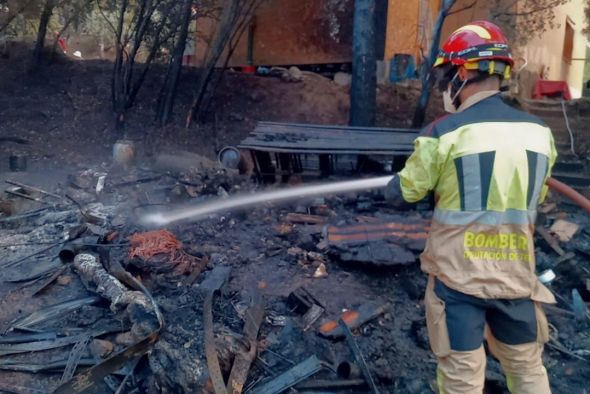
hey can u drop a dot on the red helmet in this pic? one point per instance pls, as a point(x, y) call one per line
point(472, 43)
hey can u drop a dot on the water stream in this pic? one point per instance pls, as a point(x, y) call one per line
point(202, 210)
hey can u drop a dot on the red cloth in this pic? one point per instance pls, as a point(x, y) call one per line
point(62, 44)
point(545, 88)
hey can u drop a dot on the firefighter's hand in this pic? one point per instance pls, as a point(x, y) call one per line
point(393, 193)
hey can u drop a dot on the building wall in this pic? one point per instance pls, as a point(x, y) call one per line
point(545, 54)
point(402, 29)
point(290, 32)
point(411, 24)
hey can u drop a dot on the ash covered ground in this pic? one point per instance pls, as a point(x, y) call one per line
point(271, 250)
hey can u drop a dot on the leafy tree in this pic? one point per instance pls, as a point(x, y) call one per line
point(523, 20)
point(10, 10)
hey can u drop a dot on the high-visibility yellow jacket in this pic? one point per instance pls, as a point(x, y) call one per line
point(487, 166)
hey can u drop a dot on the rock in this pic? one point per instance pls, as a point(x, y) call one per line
point(221, 192)
point(64, 280)
point(295, 73)
point(103, 348)
point(321, 271)
point(343, 79)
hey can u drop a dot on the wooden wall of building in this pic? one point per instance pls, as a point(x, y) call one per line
point(297, 32)
point(410, 24)
point(290, 32)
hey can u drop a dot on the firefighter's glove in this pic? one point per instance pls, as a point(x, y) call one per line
point(393, 193)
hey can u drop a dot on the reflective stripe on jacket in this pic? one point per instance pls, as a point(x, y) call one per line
point(487, 166)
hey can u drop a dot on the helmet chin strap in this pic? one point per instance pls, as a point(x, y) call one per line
point(458, 85)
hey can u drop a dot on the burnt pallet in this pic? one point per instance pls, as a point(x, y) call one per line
point(319, 150)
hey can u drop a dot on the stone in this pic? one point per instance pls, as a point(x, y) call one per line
point(321, 271)
point(343, 79)
point(295, 73)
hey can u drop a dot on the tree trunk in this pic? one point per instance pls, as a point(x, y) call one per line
point(229, 17)
point(119, 52)
point(125, 84)
point(427, 80)
point(41, 33)
point(117, 96)
point(246, 22)
point(168, 94)
point(364, 65)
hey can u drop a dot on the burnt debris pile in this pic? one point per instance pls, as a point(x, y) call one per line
point(323, 294)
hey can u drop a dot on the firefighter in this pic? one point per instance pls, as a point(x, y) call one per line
point(487, 164)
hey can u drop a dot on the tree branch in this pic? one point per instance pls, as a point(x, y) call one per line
point(17, 13)
point(533, 11)
point(106, 18)
point(467, 7)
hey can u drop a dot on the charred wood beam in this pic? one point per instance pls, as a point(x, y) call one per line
point(358, 355)
point(32, 188)
point(211, 286)
point(53, 312)
point(290, 378)
point(74, 359)
point(243, 361)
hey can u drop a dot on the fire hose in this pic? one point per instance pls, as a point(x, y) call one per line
point(570, 193)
